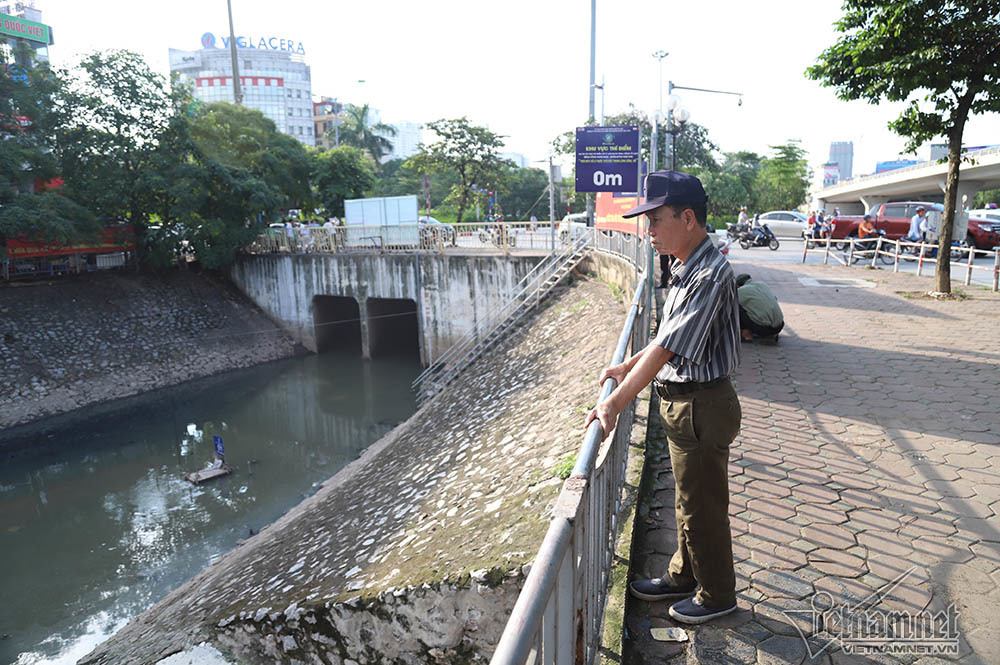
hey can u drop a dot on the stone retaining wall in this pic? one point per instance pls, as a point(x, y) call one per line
point(77, 341)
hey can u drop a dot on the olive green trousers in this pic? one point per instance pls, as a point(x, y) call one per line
point(700, 427)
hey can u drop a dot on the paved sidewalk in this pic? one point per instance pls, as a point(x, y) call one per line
point(869, 453)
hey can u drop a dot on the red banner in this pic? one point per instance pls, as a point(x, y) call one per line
point(608, 211)
point(113, 239)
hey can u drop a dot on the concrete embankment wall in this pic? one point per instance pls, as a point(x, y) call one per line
point(415, 552)
point(452, 293)
point(77, 341)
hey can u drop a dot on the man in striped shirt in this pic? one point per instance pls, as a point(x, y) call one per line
point(695, 351)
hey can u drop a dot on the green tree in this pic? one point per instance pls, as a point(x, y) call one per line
point(28, 210)
point(357, 131)
point(783, 180)
point(244, 138)
point(217, 175)
point(339, 174)
point(469, 151)
point(940, 56)
point(109, 118)
point(986, 197)
point(521, 193)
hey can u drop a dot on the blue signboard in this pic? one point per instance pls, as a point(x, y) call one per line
point(219, 450)
point(607, 159)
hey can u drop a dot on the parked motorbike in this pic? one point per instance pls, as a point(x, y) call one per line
point(762, 237)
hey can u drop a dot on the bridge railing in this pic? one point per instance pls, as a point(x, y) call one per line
point(558, 615)
point(492, 237)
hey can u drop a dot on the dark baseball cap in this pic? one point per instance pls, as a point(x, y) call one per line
point(673, 187)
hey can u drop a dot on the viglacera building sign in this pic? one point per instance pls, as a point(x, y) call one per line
point(15, 26)
point(268, 43)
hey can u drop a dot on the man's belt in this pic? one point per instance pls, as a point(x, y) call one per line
point(668, 389)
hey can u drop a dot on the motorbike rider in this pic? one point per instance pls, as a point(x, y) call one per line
point(742, 219)
point(867, 233)
point(915, 233)
point(757, 228)
point(819, 224)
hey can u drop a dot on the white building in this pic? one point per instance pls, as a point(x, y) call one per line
point(519, 160)
point(274, 79)
point(408, 136)
point(842, 154)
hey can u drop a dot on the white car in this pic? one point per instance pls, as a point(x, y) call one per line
point(785, 223)
point(991, 214)
point(576, 222)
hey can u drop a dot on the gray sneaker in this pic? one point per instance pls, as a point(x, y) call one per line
point(659, 588)
point(690, 610)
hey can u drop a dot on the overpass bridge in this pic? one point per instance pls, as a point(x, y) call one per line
point(980, 170)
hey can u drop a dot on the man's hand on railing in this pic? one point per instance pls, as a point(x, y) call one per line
point(605, 414)
point(616, 372)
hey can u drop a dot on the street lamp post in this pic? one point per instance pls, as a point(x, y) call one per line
point(237, 92)
point(673, 102)
point(655, 138)
point(601, 88)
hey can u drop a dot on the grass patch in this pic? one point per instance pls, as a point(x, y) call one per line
point(578, 306)
point(564, 467)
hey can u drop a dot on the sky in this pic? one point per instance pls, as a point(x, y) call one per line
point(522, 68)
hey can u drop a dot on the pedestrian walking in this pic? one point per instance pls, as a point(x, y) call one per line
point(690, 361)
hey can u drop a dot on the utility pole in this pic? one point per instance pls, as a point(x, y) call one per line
point(590, 91)
point(654, 139)
point(237, 92)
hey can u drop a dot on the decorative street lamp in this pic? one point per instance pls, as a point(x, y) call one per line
point(683, 115)
point(654, 139)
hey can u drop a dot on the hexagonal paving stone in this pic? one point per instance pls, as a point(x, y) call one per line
point(872, 520)
point(778, 556)
point(962, 489)
point(770, 507)
point(780, 584)
point(828, 535)
point(980, 529)
point(864, 498)
point(939, 524)
point(973, 507)
point(767, 488)
point(770, 613)
point(930, 550)
point(842, 591)
point(819, 512)
point(717, 645)
point(885, 542)
point(781, 650)
point(815, 494)
point(837, 562)
point(775, 531)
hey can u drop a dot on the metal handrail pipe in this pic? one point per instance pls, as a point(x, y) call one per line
point(592, 444)
point(512, 649)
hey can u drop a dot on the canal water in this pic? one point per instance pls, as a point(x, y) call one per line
point(102, 524)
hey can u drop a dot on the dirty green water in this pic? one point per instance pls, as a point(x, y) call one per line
point(102, 524)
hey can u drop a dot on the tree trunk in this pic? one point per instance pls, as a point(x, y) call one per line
point(942, 274)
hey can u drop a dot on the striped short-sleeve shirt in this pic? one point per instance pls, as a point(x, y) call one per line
point(701, 320)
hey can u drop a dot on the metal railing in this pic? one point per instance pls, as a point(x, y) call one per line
point(900, 250)
point(528, 292)
point(558, 615)
point(492, 237)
